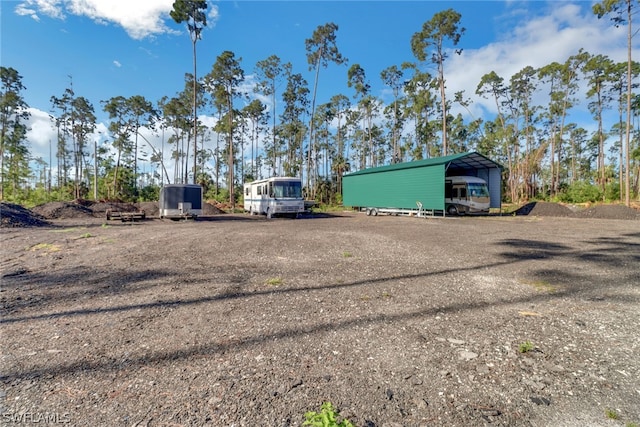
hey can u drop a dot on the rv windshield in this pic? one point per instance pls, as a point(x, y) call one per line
point(287, 189)
point(477, 189)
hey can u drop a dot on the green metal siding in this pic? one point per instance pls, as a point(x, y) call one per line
point(393, 187)
point(401, 185)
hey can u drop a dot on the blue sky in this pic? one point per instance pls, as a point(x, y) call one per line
point(132, 47)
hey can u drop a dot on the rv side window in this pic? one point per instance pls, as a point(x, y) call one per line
point(459, 191)
point(447, 190)
point(259, 188)
point(246, 191)
point(271, 190)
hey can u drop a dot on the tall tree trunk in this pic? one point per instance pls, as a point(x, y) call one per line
point(444, 114)
point(232, 200)
point(627, 150)
point(195, 114)
point(311, 125)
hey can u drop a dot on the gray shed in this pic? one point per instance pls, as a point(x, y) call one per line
point(180, 201)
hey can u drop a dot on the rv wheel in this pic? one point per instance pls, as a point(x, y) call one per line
point(452, 210)
point(374, 212)
point(269, 214)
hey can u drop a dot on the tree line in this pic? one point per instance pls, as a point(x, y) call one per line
point(545, 155)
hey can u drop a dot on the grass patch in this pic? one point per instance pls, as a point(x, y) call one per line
point(45, 247)
point(527, 313)
point(526, 347)
point(65, 230)
point(377, 296)
point(274, 281)
point(611, 414)
point(347, 254)
point(541, 286)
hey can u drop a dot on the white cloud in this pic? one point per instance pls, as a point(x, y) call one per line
point(534, 42)
point(41, 133)
point(51, 8)
point(139, 18)
point(42, 140)
point(117, 63)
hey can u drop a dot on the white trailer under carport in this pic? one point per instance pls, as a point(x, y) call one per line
point(421, 187)
point(180, 201)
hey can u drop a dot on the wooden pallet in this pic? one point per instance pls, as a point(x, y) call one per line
point(125, 216)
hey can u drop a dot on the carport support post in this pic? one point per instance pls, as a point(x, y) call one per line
point(95, 170)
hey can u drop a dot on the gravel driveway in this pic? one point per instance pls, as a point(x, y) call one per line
point(233, 320)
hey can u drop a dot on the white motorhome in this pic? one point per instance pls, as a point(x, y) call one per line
point(276, 196)
point(466, 195)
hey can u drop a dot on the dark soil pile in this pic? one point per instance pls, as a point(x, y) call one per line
point(100, 208)
point(609, 212)
point(209, 208)
point(558, 210)
point(16, 216)
point(544, 209)
point(150, 208)
point(62, 210)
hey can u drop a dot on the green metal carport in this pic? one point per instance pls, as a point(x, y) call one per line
point(401, 185)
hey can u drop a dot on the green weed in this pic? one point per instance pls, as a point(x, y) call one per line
point(346, 254)
point(327, 417)
point(611, 414)
point(526, 347)
point(274, 281)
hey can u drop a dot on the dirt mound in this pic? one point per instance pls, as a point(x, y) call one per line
point(151, 209)
point(100, 208)
point(544, 209)
point(16, 216)
point(609, 212)
point(599, 212)
point(210, 208)
point(62, 210)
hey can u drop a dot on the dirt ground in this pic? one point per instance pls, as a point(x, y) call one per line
point(530, 319)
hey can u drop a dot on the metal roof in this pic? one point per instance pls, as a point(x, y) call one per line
point(471, 160)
